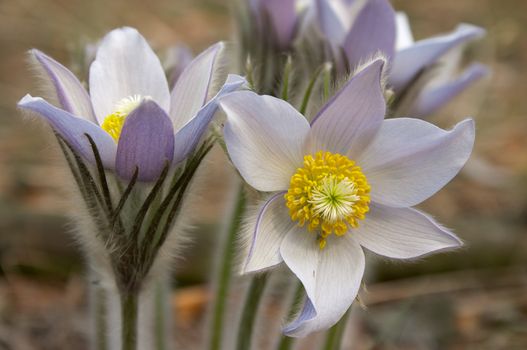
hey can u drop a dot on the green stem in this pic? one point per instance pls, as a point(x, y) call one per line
point(225, 271)
point(309, 90)
point(101, 313)
point(250, 310)
point(335, 334)
point(129, 304)
point(286, 342)
point(160, 315)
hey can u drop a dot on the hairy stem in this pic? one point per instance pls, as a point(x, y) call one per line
point(250, 311)
point(129, 306)
point(225, 270)
point(335, 334)
point(286, 342)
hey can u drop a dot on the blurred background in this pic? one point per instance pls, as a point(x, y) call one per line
point(471, 299)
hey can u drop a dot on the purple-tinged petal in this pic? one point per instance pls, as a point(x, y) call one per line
point(71, 95)
point(284, 18)
point(334, 20)
point(331, 278)
point(192, 88)
point(372, 32)
point(410, 159)
point(433, 98)
point(349, 120)
point(73, 130)
point(188, 137)
point(408, 62)
point(126, 66)
point(146, 143)
point(271, 225)
point(402, 233)
point(265, 137)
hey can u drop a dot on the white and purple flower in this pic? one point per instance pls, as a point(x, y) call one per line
point(346, 181)
point(356, 30)
point(134, 119)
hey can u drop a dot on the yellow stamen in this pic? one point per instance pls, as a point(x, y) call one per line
point(329, 193)
point(113, 123)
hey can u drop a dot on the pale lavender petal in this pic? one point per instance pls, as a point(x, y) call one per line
point(146, 143)
point(410, 159)
point(188, 137)
point(265, 137)
point(331, 278)
point(193, 85)
point(433, 98)
point(334, 20)
point(283, 16)
point(271, 225)
point(372, 32)
point(349, 120)
point(71, 94)
point(126, 66)
point(402, 233)
point(74, 130)
point(408, 62)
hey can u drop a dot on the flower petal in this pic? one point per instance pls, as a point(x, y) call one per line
point(177, 60)
point(402, 233)
point(126, 66)
point(284, 18)
point(71, 95)
point(410, 61)
point(188, 137)
point(146, 143)
point(331, 278)
point(272, 223)
point(433, 98)
point(373, 31)
point(334, 20)
point(265, 138)
point(409, 159)
point(192, 87)
point(351, 118)
point(404, 37)
point(73, 130)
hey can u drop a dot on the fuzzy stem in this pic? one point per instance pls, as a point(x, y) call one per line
point(129, 305)
point(335, 334)
point(160, 315)
point(250, 311)
point(225, 271)
point(286, 342)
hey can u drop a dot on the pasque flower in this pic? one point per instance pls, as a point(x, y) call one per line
point(346, 181)
point(355, 30)
point(362, 29)
point(130, 114)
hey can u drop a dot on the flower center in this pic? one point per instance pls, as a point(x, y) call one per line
point(329, 193)
point(113, 123)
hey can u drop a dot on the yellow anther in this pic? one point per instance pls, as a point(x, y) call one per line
point(329, 193)
point(113, 123)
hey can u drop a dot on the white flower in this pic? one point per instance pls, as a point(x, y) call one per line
point(344, 182)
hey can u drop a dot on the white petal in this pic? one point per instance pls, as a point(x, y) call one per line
point(125, 66)
point(402, 233)
point(424, 53)
point(331, 278)
point(409, 159)
point(192, 88)
point(265, 138)
point(404, 37)
point(271, 224)
point(350, 119)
